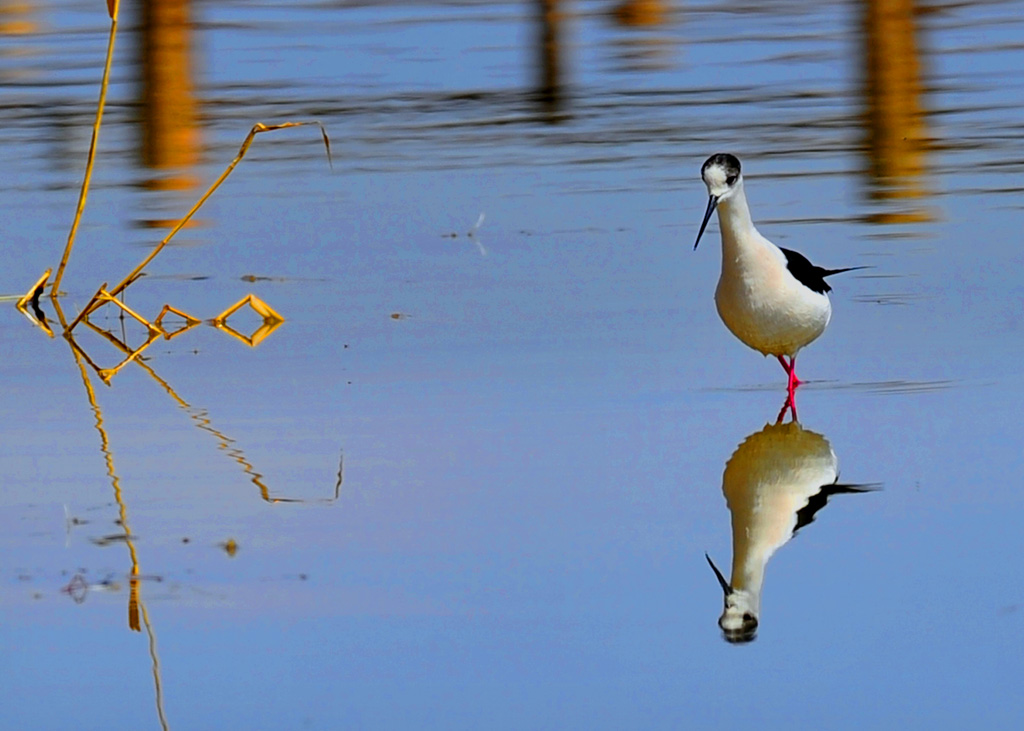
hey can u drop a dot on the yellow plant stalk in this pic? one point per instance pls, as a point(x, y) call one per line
point(112, 8)
point(257, 129)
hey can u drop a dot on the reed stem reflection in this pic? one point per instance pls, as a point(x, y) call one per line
point(136, 606)
point(156, 330)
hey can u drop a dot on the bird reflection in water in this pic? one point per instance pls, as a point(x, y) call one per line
point(774, 484)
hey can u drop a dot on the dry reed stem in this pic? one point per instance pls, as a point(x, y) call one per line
point(85, 311)
point(257, 129)
point(112, 9)
point(107, 297)
point(259, 306)
point(34, 291)
point(190, 322)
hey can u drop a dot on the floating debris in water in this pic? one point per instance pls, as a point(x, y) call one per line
point(471, 234)
point(78, 588)
point(114, 538)
point(230, 547)
point(71, 520)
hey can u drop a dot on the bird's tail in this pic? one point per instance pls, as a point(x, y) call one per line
point(830, 272)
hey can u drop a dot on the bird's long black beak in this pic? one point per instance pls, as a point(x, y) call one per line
point(726, 587)
point(712, 204)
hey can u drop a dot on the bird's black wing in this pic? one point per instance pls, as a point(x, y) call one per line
point(805, 516)
point(809, 275)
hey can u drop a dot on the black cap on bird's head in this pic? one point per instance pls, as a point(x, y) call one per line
point(730, 164)
point(721, 173)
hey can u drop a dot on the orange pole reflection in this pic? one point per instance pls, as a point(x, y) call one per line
point(895, 119)
point(641, 13)
point(17, 18)
point(643, 49)
point(170, 136)
point(169, 111)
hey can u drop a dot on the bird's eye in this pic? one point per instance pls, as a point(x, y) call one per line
point(731, 180)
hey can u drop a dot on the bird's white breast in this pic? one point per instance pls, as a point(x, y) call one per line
point(764, 305)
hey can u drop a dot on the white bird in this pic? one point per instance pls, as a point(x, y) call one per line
point(772, 299)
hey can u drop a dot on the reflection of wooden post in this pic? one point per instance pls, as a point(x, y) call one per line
point(549, 90)
point(895, 119)
point(643, 50)
point(640, 13)
point(16, 18)
point(169, 134)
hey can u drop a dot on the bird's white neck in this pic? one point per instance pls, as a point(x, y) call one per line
point(737, 226)
point(748, 575)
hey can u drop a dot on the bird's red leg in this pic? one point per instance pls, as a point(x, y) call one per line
point(790, 406)
point(790, 368)
point(791, 386)
point(792, 372)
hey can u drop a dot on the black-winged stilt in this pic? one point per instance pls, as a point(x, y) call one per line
point(772, 299)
